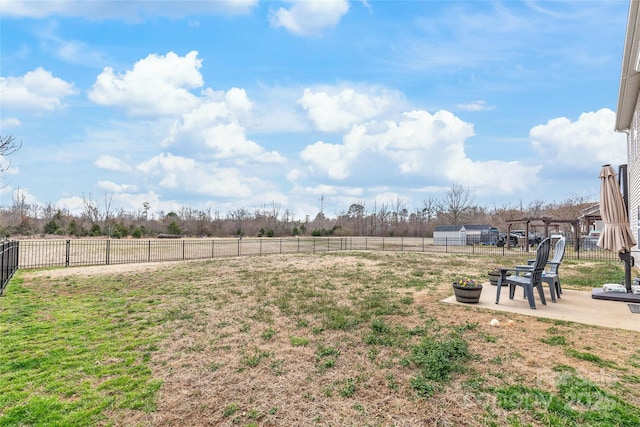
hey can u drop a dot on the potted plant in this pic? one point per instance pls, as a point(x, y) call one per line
point(494, 275)
point(467, 290)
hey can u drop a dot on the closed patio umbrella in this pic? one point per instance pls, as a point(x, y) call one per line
point(616, 236)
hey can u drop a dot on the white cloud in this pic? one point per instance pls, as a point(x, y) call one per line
point(112, 163)
point(74, 204)
point(309, 17)
point(36, 91)
point(72, 51)
point(330, 111)
point(174, 172)
point(9, 122)
point(157, 85)
point(215, 126)
point(125, 10)
point(294, 175)
point(422, 145)
point(112, 187)
point(412, 144)
point(328, 158)
point(586, 143)
point(479, 105)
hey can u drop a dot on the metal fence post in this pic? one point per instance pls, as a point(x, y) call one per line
point(68, 250)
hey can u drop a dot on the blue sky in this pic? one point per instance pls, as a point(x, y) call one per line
point(224, 105)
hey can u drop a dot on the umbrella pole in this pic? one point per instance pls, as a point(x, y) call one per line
point(626, 258)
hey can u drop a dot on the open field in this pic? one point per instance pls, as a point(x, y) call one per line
point(323, 339)
point(46, 253)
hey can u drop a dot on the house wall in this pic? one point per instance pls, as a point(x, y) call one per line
point(633, 169)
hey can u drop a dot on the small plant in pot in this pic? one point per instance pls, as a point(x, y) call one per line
point(494, 275)
point(467, 290)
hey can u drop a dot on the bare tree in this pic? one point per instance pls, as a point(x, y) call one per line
point(429, 209)
point(108, 198)
point(383, 215)
point(399, 213)
point(457, 204)
point(20, 205)
point(8, 146)
point(535, 208)
point(91, 209)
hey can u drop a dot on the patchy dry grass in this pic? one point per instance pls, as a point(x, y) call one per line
point(350, 338)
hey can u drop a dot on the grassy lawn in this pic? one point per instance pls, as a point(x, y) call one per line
point(332, 339)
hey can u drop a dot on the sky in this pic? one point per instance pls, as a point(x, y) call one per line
point(308, 105)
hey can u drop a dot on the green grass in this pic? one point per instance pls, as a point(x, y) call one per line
point(592, 275)
point(66, 360)
point(577, 402)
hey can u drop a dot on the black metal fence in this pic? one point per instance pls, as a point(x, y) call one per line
point(8, 261)
point(82, 252)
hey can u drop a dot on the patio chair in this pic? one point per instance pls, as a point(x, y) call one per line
point(533, 278)
point(551, 277)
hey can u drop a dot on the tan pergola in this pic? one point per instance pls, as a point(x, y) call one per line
point(547, 222)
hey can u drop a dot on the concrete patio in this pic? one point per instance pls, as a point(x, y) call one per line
point(574, 306)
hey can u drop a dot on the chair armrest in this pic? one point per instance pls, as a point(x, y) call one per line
point(531, 261)
point(523, 269)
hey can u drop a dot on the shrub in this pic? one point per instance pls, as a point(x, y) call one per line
point(51, 227)
point(174, 228)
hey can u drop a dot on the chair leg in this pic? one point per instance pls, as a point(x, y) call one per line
point(552, 284)
point(498, 290)
point(528, 290)
point(543, 300)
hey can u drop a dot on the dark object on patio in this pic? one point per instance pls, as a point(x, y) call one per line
point(616, 235)
point(529, 282)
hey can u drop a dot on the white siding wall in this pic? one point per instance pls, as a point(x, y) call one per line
point(633, 147)
point(451, 238)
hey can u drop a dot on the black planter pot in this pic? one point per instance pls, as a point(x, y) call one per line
point(467, 295)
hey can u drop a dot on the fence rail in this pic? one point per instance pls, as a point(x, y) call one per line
point(8, 261)
point(84, 252)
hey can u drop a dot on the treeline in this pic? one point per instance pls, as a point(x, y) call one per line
point(22, 219)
